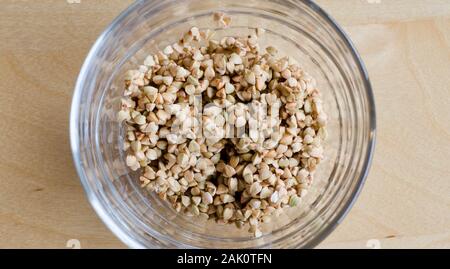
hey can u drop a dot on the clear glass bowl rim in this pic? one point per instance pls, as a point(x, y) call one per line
point(75, 139)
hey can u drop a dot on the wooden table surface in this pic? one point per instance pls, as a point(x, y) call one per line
point(404, 43)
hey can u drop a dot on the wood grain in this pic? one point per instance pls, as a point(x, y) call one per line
point(404, 43)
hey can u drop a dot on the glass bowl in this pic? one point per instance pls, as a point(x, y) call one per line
point(299, 29)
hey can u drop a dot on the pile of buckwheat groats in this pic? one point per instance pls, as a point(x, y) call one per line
point(223, 130)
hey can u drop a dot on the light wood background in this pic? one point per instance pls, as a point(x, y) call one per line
point(404, 43)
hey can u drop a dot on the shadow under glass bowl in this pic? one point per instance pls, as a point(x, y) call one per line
point(299, 29)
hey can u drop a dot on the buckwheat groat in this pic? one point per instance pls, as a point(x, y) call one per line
point(223, 129)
